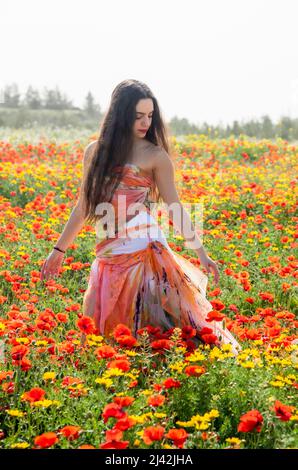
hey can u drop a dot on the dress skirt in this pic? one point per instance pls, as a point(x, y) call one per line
point(138, 280)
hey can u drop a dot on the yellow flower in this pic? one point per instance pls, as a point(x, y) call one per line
point(131, 376)
point(226, 347)
point(16, 413)
point(288, 381)
point(22, 340)
point(202, 426)
point(194, 357)
point(139, 419)
point(177, 366)
point(107, 382)
point(44, 403)
point(213, 413)
point(277, 383)
point(49, 375)
point(234, 441)
point(56, 402)
point(131, 353)
point(216, 353)
point(97, 338)
point(185, 424)
point(292, 377)
point(20, 445)
point(247, 365)
point(41, 342)
point(294, 418)
point(159, 415)
point(114, 371)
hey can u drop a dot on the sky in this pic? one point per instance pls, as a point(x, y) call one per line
point(211, 61)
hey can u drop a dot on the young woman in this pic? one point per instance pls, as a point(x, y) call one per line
point(136, 279)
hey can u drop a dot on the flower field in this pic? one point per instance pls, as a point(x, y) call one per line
point(160, 391)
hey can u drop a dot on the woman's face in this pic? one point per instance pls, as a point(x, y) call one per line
point(144, 112)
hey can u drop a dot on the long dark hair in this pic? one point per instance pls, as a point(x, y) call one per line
point(115, 143)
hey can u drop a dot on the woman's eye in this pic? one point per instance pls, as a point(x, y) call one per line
point(139, 117)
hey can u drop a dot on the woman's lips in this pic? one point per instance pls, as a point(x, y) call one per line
point(143, 130)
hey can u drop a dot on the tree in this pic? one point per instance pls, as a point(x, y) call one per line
point(11, 96)
point(53, 99)
point(32, 98)
point(91, 108)
point(268, 130)
point(236, 128)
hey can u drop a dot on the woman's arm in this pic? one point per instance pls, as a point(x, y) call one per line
point(52, 264)
point(164, 173)
point(76, 220)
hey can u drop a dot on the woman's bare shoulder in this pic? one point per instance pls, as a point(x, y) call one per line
point(161, 158)
point(90, 146)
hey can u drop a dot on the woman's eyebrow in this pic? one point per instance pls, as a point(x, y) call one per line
point(139, 112)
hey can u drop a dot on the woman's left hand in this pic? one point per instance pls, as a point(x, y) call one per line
point(210, 266)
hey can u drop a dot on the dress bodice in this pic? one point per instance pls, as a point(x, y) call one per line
point(134, 188)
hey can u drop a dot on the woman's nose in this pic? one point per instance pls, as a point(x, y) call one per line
point(146, 122)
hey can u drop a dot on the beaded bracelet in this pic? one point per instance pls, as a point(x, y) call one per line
point(56, 248)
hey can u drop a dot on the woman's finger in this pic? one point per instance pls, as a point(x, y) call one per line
point(42, 271)
point(214, 268)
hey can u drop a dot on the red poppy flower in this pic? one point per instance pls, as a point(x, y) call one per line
point(210, 339)
point(156, 400)
point(122, 364)
point(35, 394)
point(157, 387)
point(153, 330)
point(114, 445)
point(171, 383)
point(283, 412)
point(206, 331)
point(104, 352)
point(70, 432)
point(214, 316)
point(188, 332)
point(123, 401)
point(194, 371)
point(162, 344)
point(179, 436)
point(127, 341)
point(217, 304)
point(266, 296)
point(86, 325)
point(25, 364)
point(5, 374)
point(250, 421)
point(190, 345)
point(47, 439)
point(114, 435)
point(18, 352)
point(153, 433)
point(121, 330)
point(112, 410)
point(125, 423)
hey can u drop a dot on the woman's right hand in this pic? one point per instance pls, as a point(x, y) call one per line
point(51, 265)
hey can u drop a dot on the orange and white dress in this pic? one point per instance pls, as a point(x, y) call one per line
point(138, 280)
